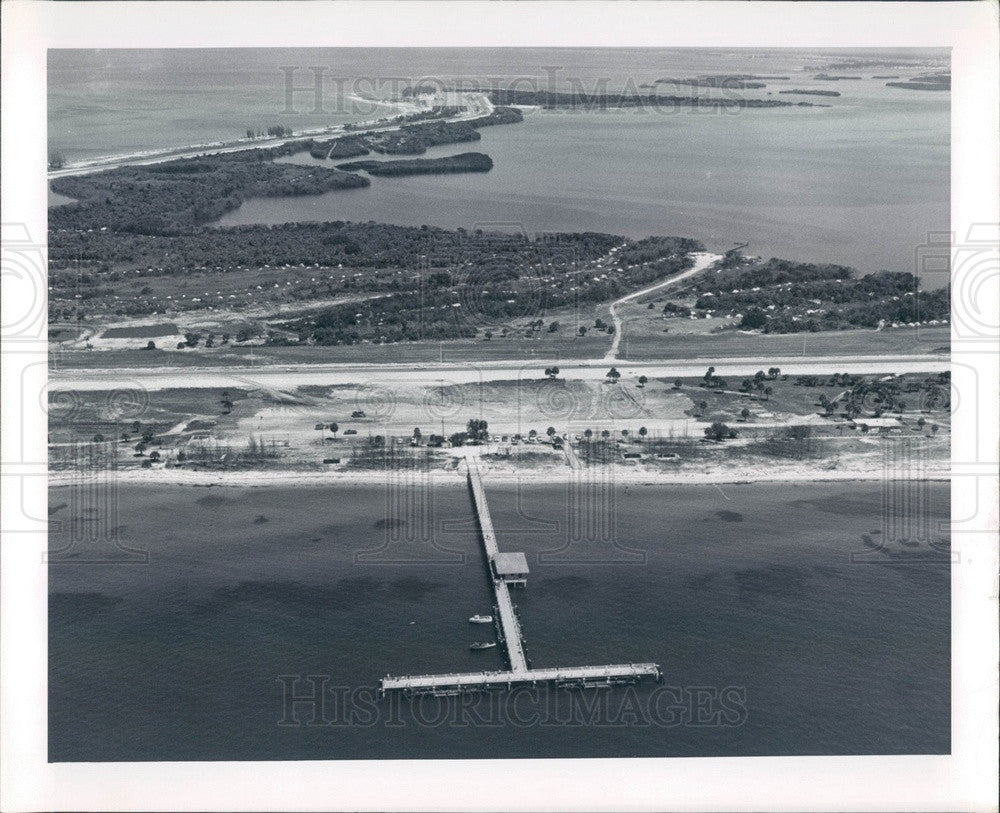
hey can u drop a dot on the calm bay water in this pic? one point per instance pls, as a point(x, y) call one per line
point(751, 588)
point(861, 182)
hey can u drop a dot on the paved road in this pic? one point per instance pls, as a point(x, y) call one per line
point(702, 260)
point(284, 377)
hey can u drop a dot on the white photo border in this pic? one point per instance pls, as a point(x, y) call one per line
point(965, 780)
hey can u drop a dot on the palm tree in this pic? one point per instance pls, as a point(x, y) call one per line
point(643, 432)
point(551, 431)
point(677, 383)
point(624, 433)
point(605, 434)
point(417, 434)
point(767, 393)
point(533, 434)
point(642, 381)
point(744, 414)
point(613, 375)
point(588, 434)
point(702, 406)
point(710, 373)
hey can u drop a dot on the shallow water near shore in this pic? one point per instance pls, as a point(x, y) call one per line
point(787, 618)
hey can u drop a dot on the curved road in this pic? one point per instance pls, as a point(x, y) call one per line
point(702, 260)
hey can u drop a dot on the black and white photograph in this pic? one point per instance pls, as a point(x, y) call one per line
point(401, 401)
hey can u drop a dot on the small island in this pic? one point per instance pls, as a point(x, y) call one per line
point(464, 162)
point(413, 139)
point(813, 92)
point(607, 101)
point(741, 82)
point(929, 81)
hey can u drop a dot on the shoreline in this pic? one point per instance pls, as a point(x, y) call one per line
point(88, 166)
point(616, 476)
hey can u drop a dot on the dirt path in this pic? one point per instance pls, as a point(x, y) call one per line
point(702, 260)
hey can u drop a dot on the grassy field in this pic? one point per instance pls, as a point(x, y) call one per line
point(546, 348)
point(901, 341)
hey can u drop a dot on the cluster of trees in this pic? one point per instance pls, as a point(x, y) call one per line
point(465, 162)
point(176, 196)
point(719, 431)
point(432, 251)
point(274, 131)
point(498, 276)
point(476, 431)
point(779, 296)
point(428, 306)
point(414, 139)
point(345, 147)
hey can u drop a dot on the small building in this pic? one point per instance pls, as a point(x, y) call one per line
point(511, 568)
point(883, 425)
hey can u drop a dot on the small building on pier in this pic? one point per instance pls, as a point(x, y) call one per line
point(511, 568)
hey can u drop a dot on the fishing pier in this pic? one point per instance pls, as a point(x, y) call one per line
point(507, 570)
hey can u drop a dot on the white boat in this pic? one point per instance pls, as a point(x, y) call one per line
point(481, 619)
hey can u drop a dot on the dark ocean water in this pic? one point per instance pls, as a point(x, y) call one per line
point(780, 625)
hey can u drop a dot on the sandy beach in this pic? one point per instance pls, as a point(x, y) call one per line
point(618, 475)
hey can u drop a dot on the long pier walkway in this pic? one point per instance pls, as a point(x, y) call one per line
point(510, 627)
point(505, 569)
